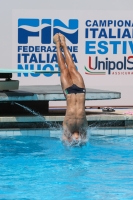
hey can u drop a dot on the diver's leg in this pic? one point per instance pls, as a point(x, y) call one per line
point(75, 75)
point(65, 77)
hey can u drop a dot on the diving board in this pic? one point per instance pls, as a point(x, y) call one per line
point(28, 71)
point(9, 84)
point(53, 93)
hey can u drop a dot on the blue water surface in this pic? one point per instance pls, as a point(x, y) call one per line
point(38, 168)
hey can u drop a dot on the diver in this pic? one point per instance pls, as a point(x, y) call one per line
point(75, 122)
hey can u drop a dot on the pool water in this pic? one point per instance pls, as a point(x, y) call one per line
point(38, 168)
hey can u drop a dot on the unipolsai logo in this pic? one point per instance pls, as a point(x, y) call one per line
point(45, 29)
point(100, 67)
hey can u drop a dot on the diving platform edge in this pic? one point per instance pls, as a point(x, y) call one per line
point(37, 98)
point(52, 93)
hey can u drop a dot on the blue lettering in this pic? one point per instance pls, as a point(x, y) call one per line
point(131, 45)
point(37, 49)
point(86, 33)
point(32, 68)
point(120, 23)
point(25, 57)
point(19, 58)
point(88, 23)
point(40, 58)
point(38, 67)
point(74, 58)
point(19, 48)
point(102, 45)
point(118, 33)
point(115, 44)
point(94, 30)
point(95, 23)
point(111, 68)
point(75, 49)
point(126, 33)
point(124, 49)
point(45, 68)
point(49, 49)
point(110, 33)
point(119, 65)
point(33, 58)
point(31, 48)
point(88, 47)
point(102, 23)
point(21, 68)
point(25, 49)
point(54, 58)
point(110, 22)
point(102, 33)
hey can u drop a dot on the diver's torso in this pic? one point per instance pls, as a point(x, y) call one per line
point(75, 117)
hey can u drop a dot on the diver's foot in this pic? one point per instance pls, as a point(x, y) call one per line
point(56, 39)
point(62, 40)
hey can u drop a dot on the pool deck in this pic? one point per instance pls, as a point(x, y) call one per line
point(95, 117)
point(13, 116)
point(100, 124)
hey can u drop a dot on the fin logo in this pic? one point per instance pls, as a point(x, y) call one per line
point(45, 29)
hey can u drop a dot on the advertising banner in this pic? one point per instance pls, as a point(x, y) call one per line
point(100, 43)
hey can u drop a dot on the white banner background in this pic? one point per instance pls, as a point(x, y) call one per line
point(121, 83)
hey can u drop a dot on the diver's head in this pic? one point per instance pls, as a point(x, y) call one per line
point(75, 135)
point(75, 138)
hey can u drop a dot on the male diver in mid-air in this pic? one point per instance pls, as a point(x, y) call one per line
point(75, 122)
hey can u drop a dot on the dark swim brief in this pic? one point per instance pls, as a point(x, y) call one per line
point(74, 89)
